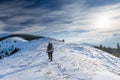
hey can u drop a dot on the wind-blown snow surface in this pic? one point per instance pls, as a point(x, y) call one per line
point(70, 62)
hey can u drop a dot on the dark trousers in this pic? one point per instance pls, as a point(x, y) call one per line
point(50, 55)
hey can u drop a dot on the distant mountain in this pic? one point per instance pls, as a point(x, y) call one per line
point(24, 36)
point(111, 41)
point(87, 44)
point(27, 37)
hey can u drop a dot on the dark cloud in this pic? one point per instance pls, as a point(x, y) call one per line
point(31, 12)
point(12, 28)
point(93, 3)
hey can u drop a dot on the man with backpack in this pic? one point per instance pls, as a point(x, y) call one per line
point(50, 50)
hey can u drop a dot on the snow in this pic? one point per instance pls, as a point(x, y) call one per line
point(105, 75)
point(70, 62)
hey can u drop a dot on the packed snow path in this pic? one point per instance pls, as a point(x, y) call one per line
point(70, 62)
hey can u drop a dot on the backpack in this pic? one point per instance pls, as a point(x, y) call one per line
point(50, 47)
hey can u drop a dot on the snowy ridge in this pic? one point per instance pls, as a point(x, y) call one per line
point(111, 62)
point(8, 45)
point(70, 62)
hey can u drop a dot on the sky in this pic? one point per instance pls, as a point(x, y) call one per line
point(78, 21)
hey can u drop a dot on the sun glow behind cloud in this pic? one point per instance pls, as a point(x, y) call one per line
point(103, 22)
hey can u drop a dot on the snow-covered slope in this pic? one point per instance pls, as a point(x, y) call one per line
point(70, 62)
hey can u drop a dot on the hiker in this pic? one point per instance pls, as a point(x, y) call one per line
point(50, 50)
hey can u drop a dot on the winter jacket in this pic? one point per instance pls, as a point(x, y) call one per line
point(50, 48)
